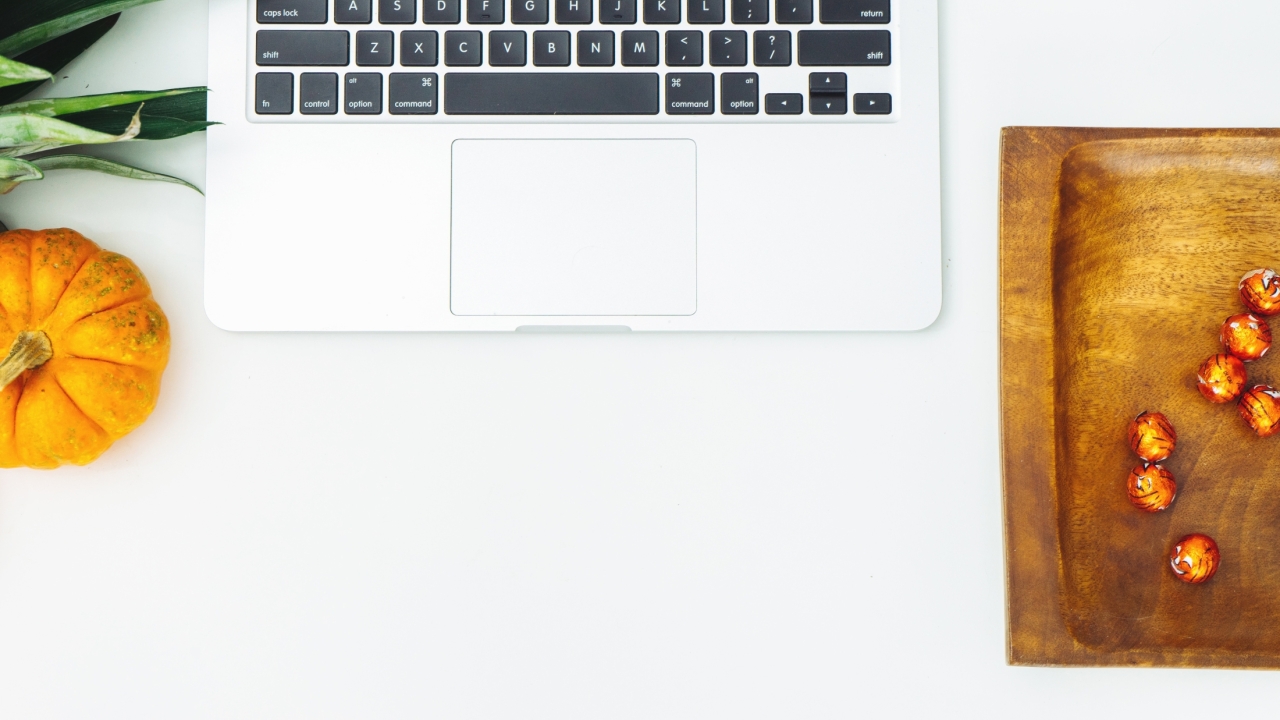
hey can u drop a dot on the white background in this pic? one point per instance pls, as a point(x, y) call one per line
point(568, 526)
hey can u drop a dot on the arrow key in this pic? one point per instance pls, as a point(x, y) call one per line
point(828, 82)
point(827, 104)
point(783, 103)
point(872, 103)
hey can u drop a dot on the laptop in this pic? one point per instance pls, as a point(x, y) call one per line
point(498, 165)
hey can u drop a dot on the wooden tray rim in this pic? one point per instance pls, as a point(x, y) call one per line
point(1030, 168)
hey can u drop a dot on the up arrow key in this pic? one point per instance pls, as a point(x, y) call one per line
point(828, 82)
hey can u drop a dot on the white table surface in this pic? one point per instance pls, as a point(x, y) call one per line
point(567, 526)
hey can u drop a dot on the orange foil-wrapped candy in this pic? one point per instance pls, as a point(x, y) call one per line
point(1246, 336)
point(1151, 488)
point(1260, 407)
point(1195, 558)
point(1260, 291)
point(1221, 378)
point(1152, 437)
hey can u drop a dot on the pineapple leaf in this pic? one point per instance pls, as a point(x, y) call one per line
point(36, 35)
point(14, 171)
point(28, 134)
point(13, 73)
point(163, 117)
point(53, 107)
point(55, 54)
point(96, 164)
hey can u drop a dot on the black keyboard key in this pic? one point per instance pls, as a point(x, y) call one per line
point(293, 11)
point(362, 94)
point(844, 47)
point(871, 12)
point(728, 47)
point(463, 48)
point(397, 11)
point(303, 47)
point(442, 12)
point(558, 93)
point(595, 48)
point(739, 93)
point(691, 93)
point(353, 11)
point(412, 94)
point(375, 47)
point(750, 12)
point(640, 48)
point(318, 93)
point(573, 12)
point(772, 48)
point(826, 104)
point(618, 12)
point(783, 104)
point(529, 12)
point(706, 12)
point(872, 104)
point(486, 12)
point(828, 82)
point(661, 12)
point(273, 94)
point(418, 48)
point(684, 48)
point(551, 48)
point(799, 12)
point(507, 48)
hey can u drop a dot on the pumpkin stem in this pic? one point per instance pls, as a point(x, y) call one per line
point(30, 350)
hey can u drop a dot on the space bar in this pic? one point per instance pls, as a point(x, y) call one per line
point(550, 93)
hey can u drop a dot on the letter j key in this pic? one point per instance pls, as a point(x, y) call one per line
point(618, 12)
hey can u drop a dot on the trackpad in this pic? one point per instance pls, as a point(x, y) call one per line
point(574, 227)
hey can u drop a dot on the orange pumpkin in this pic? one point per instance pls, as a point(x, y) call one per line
point(87, 347)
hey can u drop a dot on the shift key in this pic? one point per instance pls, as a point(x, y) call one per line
point(303, 47)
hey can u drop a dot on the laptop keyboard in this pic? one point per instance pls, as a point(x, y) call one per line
point(586, 60)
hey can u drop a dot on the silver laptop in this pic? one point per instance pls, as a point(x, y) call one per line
point(454, 165)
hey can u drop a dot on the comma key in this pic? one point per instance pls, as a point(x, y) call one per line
point(413, 93)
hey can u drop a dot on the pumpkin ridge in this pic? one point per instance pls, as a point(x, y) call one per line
point(79, 409)
point(32, 283)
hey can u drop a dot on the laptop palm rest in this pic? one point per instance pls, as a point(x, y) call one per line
point(574, 227)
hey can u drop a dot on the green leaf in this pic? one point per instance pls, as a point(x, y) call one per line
point(15, 16)
point(14, 171)
point(37, 35)
point(53, 107)
point(164, 117)
point(95, 164)
point(13, 73)
point(28, 134)
point(55, 54)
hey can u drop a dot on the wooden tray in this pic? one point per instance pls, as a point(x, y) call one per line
point(1120, 251)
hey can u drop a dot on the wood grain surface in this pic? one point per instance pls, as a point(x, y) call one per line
point(1120, 254)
